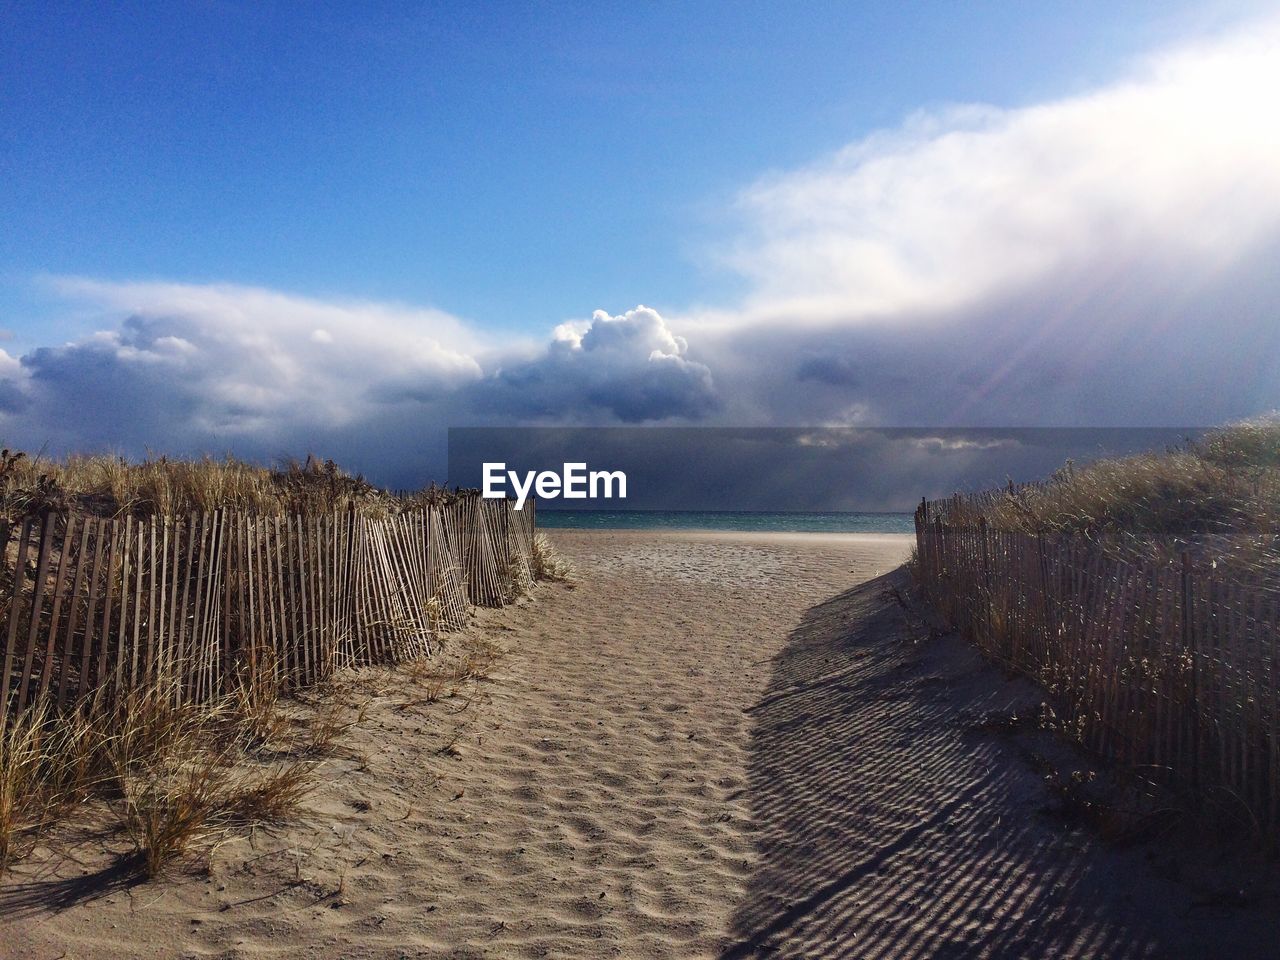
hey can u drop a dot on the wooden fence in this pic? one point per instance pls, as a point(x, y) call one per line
point(1166, 666)
point(203, 603)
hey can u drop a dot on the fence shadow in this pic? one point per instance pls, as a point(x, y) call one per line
point(1161, 652)
point(890, 827)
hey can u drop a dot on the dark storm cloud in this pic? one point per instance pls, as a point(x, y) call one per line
point(1131, 347)
point(833, 371)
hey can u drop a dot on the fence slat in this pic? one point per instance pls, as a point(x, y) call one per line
point(1163, 662)
point(62, 573)
point(14, 613)
point(43, 558)
point(73, 617)
point(196, 604)
point(95, 577)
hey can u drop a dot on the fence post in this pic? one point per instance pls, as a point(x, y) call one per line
point(1188, 645)
point(986, 556)
point(921, 523)
point(941, 565)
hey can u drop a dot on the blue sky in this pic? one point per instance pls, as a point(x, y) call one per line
point(516, 164)
point(271, 227)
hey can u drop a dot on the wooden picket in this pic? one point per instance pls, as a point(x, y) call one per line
point(198, 605)
point(1167, 666)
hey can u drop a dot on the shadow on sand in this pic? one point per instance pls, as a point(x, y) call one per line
point(48, 892)
point(889, 827)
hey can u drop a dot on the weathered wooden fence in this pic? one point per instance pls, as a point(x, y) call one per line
point(199, 604)
point(1165, 666)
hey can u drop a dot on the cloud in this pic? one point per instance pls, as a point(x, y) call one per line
point(831, 370)
point(1177, 162)
point(1106, 258)
point(225, 362)
point(194, 368)
point(13, 396)
point(631, 367)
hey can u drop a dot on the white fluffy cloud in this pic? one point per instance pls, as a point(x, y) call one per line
point(630, 366)
point(1177, 162)
point(230, 362)
point(189, 367)
point(1107, 258)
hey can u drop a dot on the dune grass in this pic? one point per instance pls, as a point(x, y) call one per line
point(1224, 487)
point(1152, 619)
point(170, 777)
point(547, 563)
point(109, 486)
point(174, 778)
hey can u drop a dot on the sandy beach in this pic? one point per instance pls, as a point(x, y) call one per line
point(711, 745)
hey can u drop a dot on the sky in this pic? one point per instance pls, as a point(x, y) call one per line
point(269, 229)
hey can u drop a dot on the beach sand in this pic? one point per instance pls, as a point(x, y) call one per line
point(712, 745)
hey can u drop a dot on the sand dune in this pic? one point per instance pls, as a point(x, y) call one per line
point(714, 745)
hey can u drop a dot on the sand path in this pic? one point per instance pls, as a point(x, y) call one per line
point(715, 745)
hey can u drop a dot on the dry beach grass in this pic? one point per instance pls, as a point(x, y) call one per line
point(1223, 488)
point(108, 485)
point(709, 745)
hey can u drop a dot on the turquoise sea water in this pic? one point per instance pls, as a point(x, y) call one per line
point(726, 520)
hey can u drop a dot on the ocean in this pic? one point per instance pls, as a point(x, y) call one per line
point(779, 522)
